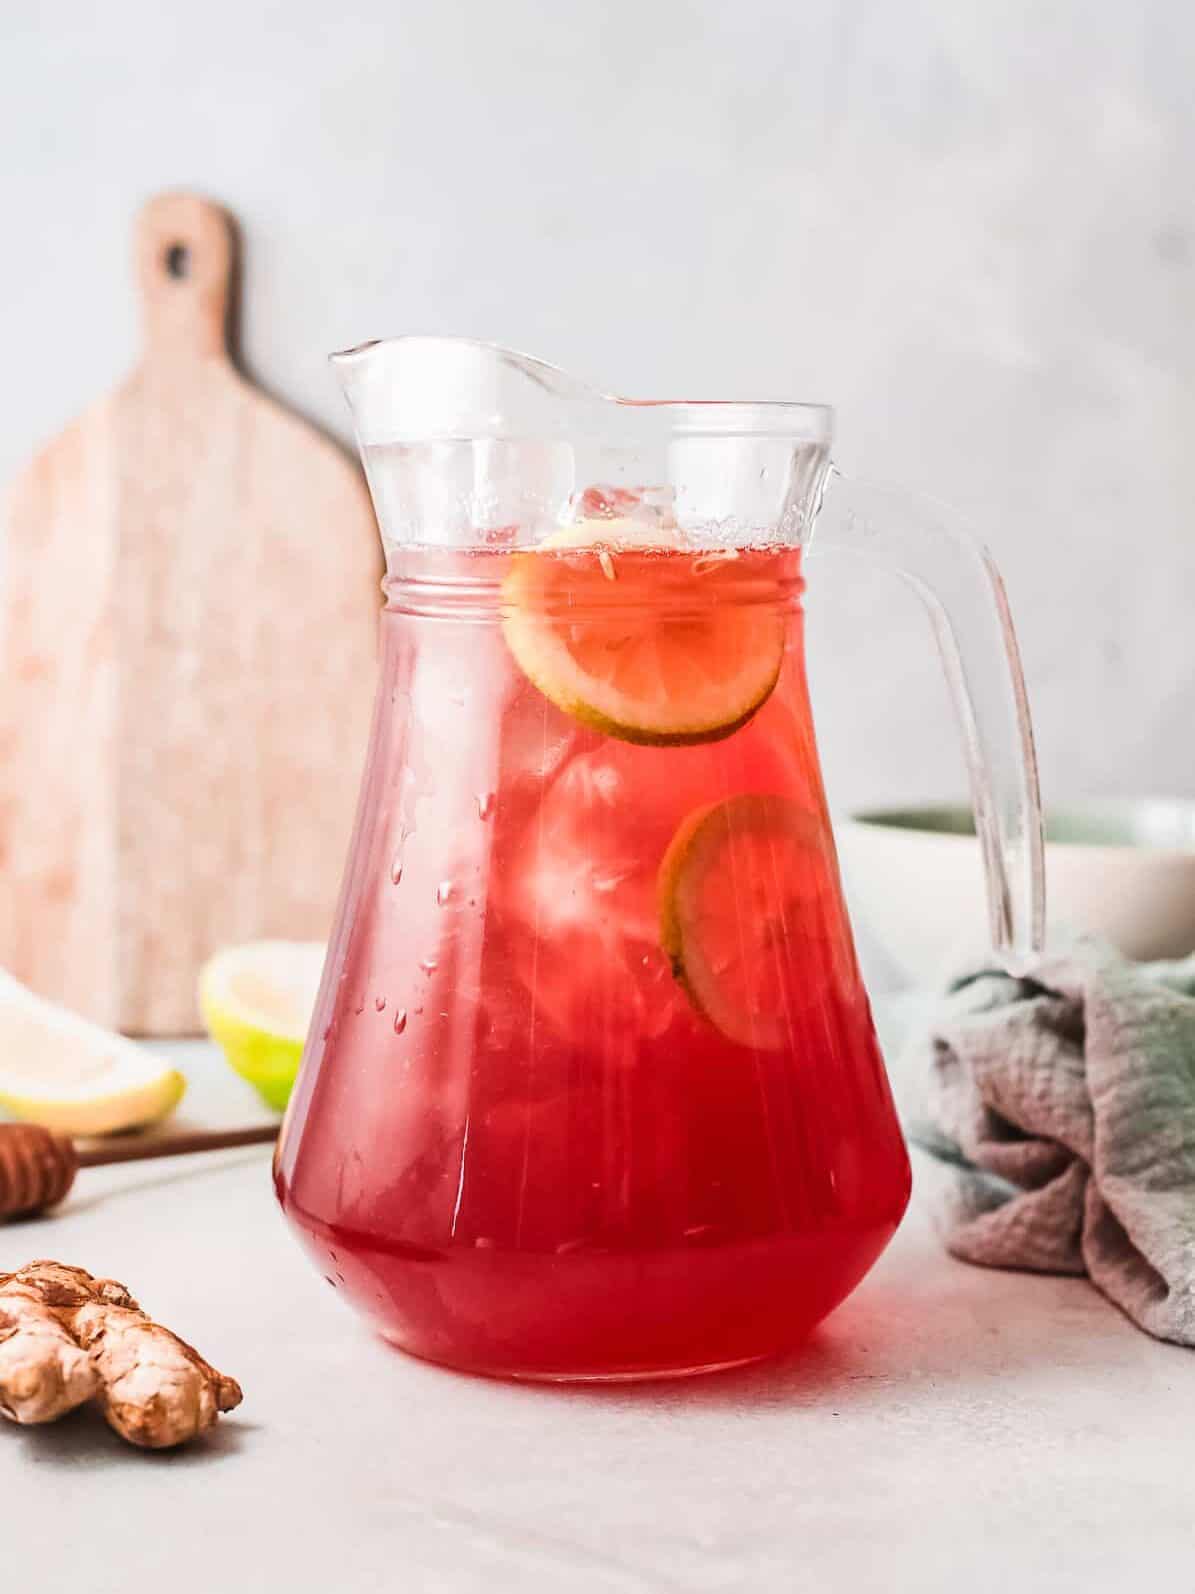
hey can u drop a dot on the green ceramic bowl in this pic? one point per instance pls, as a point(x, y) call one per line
point(1121, 869)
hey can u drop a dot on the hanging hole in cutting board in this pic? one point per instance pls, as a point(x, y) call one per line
point(178, 261)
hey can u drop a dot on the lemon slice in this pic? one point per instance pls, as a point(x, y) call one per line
point(639, 637)
point(75, 1077)
point(742, 893)
point(257, 1002)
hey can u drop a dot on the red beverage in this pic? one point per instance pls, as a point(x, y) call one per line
point(592, 1088)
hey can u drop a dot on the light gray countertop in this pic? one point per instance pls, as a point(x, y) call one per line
point(948, 1428)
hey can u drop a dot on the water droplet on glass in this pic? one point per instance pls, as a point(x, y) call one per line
point(443, 892)
point(380, 1003)
point(428, 965)
point(360, 1007)
point(606, 563)
point(485, 804)
point(396, 871)
point(327, 1032)
point(400, 1020)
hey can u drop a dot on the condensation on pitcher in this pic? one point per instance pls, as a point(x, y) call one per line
point(379, 1003)
point(429, 965)
point(400, 1020)
point(485, 804)
point(444, 893)
point(396, 870)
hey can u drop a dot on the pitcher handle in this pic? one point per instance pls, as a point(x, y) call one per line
point(958, 580)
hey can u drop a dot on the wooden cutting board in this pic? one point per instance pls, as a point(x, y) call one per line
point(187, 638)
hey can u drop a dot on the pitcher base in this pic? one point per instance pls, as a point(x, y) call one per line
point(625, 1375)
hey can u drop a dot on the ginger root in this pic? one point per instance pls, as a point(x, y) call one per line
point(66, 1338)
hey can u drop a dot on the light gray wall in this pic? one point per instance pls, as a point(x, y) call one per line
point(969, 224)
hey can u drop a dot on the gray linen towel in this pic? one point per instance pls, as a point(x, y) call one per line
point(1062, 1105)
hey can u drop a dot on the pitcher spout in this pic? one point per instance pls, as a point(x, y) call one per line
point(419, 388)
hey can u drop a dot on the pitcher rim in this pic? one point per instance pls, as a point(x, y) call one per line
point(558, 379)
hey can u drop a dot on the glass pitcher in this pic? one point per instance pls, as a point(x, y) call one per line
point(592, 1089)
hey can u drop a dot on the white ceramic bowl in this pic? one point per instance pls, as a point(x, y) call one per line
point(1122, 870)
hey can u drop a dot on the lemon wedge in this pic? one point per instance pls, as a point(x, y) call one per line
point(73, 1076)
point(257, 1000)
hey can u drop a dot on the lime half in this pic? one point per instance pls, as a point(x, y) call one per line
point(257, 1000)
